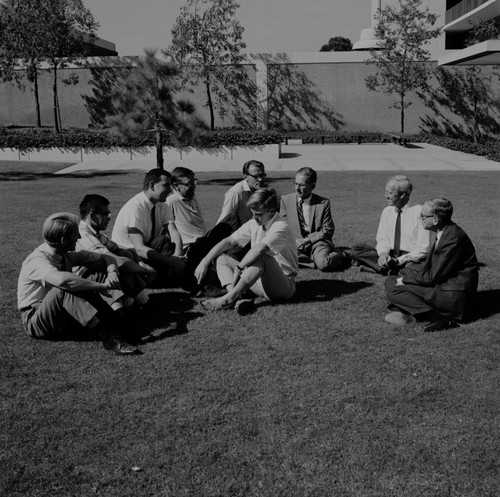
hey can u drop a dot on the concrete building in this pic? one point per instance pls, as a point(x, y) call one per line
point(460, 17)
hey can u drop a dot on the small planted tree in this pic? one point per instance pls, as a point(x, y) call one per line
point(207, 44)
point(21, 37)
point(402, 64)
point(142, 101)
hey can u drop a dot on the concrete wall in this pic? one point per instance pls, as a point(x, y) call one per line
point(321, 90)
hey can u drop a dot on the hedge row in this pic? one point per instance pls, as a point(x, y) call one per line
point(489, 149)
point(26, 139)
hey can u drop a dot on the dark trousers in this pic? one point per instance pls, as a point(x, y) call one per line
point(366, 255)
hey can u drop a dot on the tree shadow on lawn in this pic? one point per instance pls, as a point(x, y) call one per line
point(323, 290)
point(30, 176)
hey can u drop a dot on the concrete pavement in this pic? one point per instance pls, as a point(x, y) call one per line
point(339, 157)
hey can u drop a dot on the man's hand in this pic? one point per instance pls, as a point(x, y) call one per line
point(382, 260)
point(200, 272)
point(392, 262)
point(112, 281)
point(303, 244)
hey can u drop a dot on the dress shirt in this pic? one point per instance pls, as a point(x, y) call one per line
point(414, 238)
point(95, 241)
point(136, 213)
point(31, 285)
point(186, 215)
point(235, 201)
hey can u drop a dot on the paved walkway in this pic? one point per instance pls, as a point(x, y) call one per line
point(342, 157)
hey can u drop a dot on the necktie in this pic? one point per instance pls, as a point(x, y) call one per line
point(397, 235)
point(153, 224)
point(300, 214)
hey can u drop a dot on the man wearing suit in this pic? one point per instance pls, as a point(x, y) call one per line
point(441, 290)
point(310, 220)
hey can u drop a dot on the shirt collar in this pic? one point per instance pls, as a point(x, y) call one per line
point(51, 253)
point(145, 197)
point(305, 201)
point(246, 187)
point(86, 227)
point(266, 226)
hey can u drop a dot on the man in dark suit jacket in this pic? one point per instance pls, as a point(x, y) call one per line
point(442, 289)
point(310, 220)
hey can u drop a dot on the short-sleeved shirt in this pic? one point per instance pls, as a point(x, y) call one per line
point(278, 237)
point(136, 213)
point(187, 217)
point(94, 241)
point(32, 286)
point(235, 202)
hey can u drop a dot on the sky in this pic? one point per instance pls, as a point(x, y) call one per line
point(270, 25)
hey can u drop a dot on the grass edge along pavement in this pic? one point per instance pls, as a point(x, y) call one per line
point(318, 396)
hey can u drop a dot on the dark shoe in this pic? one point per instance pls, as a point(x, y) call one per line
point(120, 347)
point(439, 326)
point(211, 291)
point(244, 306)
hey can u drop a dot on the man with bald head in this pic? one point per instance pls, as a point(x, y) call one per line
point(401, 239)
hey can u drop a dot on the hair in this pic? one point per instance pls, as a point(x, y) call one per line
point(59, 225)
point(403, 183)
point(255, 163)
point(310, 173)
point(181, 172)
point(92, 203)
point(154, 176)
point(265, 199)
point(442, 207)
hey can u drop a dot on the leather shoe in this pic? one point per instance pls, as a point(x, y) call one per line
point(120, 347)
point(244, 306)
point(439, 325)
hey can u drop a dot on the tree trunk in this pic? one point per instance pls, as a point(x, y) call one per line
point(159, 146)
point(37, 99)
point(475, 129)
point(402, 113)
point(210, 104)
point(56, 101)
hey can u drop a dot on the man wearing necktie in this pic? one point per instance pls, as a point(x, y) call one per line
point(442, 290)
point(143, 224)
point(401, 239)
point(310, 219)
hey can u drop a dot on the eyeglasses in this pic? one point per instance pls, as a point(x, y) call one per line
point(257, 176)
point(425, 217)
point(193, 182)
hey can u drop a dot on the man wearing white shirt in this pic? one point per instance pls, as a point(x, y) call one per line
point(270, 266)
point(401, 239)
point(143, 224)
point(237, 197)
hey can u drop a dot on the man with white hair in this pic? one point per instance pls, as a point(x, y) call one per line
point(401, 239)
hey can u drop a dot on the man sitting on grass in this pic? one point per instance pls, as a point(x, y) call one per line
point(134, 274)
point(185, 214)
point(237, 197)
point(54, 302)
point(268, 269)
point(310, 218)
point(143, 224)
point(401, 238)
point(443, 289)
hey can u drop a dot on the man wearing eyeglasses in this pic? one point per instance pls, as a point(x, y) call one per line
point(185, 213)
point(442, 290)
point(237, 197)
point(310, 219)
point(401, 239)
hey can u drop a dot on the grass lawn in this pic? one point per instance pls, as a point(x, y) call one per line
point(315, 397)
